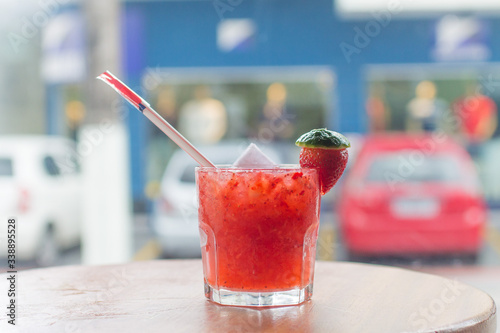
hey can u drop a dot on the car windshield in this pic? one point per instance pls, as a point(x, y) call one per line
point(414, 167)
point(188, 175)
point(6, 167)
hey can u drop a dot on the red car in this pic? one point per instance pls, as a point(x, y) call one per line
point(408, 195)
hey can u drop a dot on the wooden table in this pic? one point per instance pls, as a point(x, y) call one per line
point(167, 296)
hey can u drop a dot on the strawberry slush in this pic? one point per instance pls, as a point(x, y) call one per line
point(258, 231)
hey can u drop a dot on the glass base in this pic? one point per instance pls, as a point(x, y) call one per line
point(258, 299)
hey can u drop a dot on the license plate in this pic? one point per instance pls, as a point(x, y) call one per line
point(415, 207)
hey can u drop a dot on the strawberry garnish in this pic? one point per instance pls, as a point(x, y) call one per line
point(325, 151)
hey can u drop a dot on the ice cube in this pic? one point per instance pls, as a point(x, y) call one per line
point(253, 157)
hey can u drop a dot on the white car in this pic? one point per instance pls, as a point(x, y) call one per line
point(40, 189)
point(175, 212)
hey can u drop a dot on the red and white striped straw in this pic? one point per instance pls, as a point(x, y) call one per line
point(140, 104)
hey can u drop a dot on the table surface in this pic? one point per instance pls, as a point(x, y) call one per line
point(167, 296)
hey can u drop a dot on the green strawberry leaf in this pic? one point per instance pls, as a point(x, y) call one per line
point(323, 138)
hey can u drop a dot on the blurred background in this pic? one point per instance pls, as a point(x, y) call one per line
point(414, 85)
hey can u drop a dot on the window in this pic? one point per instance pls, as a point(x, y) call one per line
point(50, 166)
point(439, 168)
point(188, 176)
point(6, 167)
point(68, 164)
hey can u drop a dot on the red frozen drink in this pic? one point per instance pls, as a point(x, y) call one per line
point(258, 234)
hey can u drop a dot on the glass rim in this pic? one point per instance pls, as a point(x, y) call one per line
point(230, 167)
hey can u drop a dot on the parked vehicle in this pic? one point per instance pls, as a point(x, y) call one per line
point(175, 212)
point(412, 195)
point(40, 189)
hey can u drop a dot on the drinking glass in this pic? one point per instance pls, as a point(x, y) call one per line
point(258, 231)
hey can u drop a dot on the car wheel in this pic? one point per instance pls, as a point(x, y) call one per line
point(470, 258)
point(355, 257)
point(48, 250)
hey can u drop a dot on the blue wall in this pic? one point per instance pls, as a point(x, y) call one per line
point(290, 32)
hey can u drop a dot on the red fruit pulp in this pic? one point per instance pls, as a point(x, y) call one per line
point(330, 164)
point(258, 228)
